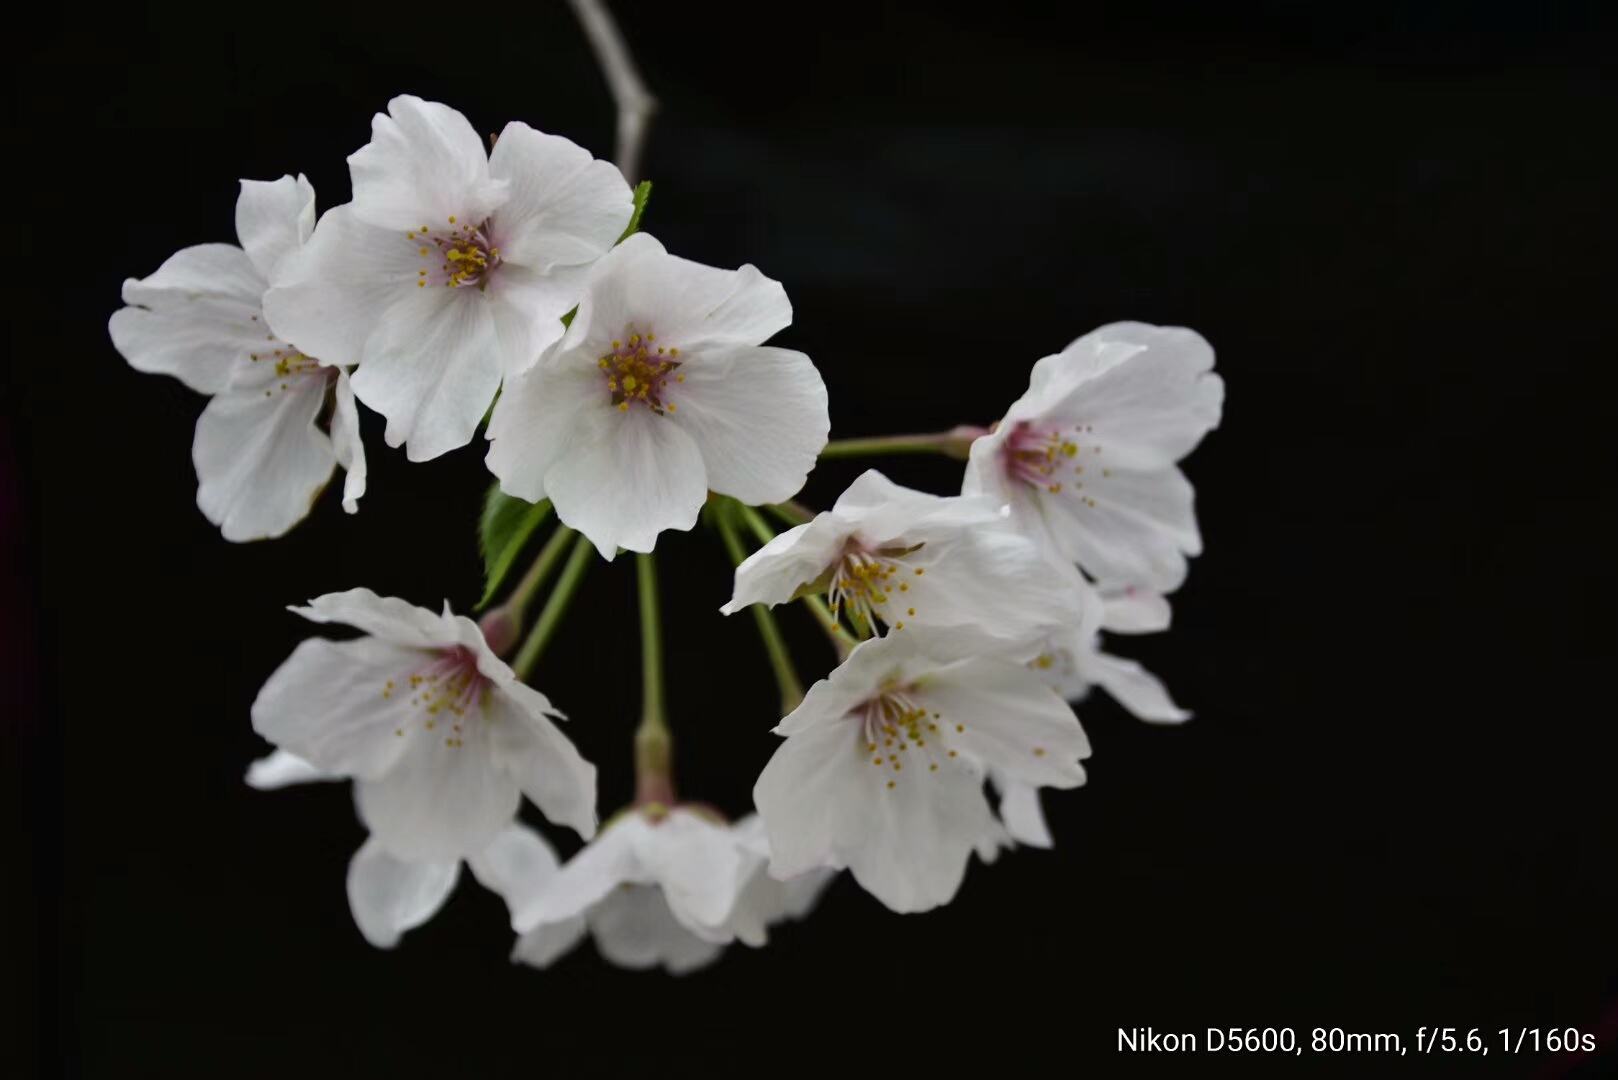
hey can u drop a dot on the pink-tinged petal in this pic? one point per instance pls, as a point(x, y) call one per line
point(610, 861)
point(346, 443)
point(1129, 526)
point(626, 482)
point(548, 768)
point(539, 418)
point(279, 769)
point(261, 462)
point(1133, 687)
point(516, 865)
point(389, 896)
point(390, 619)
point(758, 415)
point(326, 704)
point(425, 163)
point(565, 207)
point(432, 369)
point(445, 797)
point(634, 928)
point(273, 219)
point(196, 319)
point(1003, 715)
point(1132, 609)
point(330, 295)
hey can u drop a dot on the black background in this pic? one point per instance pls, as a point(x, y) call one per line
point(1394, 808)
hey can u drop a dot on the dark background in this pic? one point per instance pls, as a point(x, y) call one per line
point(1394, 808)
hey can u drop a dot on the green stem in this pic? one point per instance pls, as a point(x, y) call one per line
point(953, 443)
point(786, 679)
point(823, 615)
point(538, 573)
point(550, 617)
point(654, 783)
point(792, 512)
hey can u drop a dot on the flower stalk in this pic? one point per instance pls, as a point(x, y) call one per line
point(556, 605)
point(786, 677)
point(654, 748)
point(955, 443)
point(502, 625)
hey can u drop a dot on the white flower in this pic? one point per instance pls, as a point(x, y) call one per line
point(883, 765)
point(1086, 458)
point(669, 887)
point(891, 556)
point(388, 895)
point(658, 392)
point(451, 267)
point(1072, 663)
point(260, 454)
point(440, 737)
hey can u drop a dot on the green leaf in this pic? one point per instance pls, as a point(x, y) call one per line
point(643, 193)
point(504, 528)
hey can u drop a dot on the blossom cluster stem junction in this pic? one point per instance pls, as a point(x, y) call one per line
point(786, 677)
point(654, 748)
point(955, 443)
point(556, 605)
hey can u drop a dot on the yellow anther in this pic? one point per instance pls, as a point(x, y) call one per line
point(452, 219)
point(623, 406)
point(1039, 751)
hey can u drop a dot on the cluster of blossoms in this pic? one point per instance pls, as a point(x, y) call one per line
point(630, 392)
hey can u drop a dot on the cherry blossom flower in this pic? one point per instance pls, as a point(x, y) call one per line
point(659, 392)
point(261, 454)
point(451, 267)
point(441, 738)
point(662, 887)
point(1086, 458)
point(883, 765)
point(889, 557)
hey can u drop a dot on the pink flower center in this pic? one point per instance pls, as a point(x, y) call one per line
point(640, 371)
point(1048, 458)
point(448, 689)
point(898, 731)
point(465, 255)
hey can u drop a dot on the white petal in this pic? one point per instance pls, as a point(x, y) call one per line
point(1140, 528)
point(630, 481)
point(424, 164)
point(386, 617)
point(432, 368)
point(525, 310)
point(273, 219)
point(634, 929)
point(759, 417)
point(1020, 811)
point(543, 946)
point(325, 705)
point(689, 306)
point(825, 802)
point(854, 680)
point(197, 318)
point(330, 296)
point(699, 866)
point(280, 769)
point(439, 801)
point(773, 573)
point(516, 865)
point(565, 207)
point(547, 767)
point(1012, 722)
point(539, 417)
point(388, 896)
point(261, 461)
point(1133, 687)
point(346, 443)
point(1132, 609)
point(611, 860)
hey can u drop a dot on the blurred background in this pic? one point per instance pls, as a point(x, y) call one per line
point(1394, 808)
